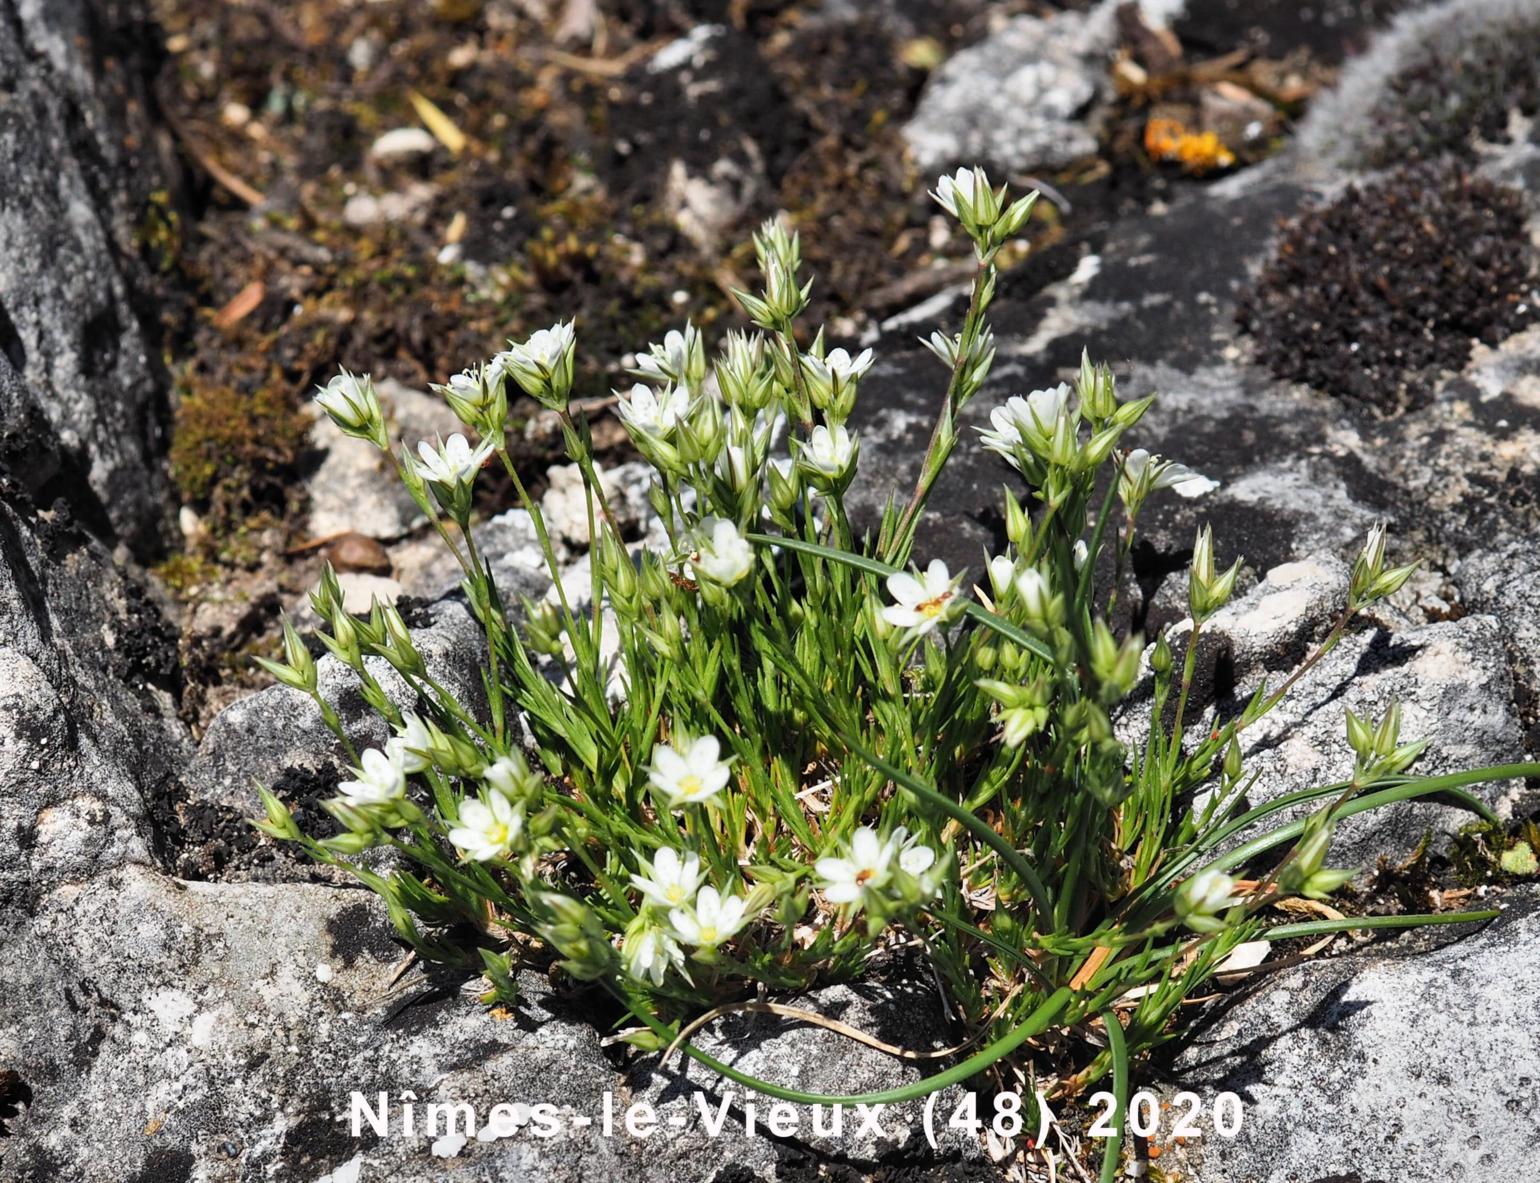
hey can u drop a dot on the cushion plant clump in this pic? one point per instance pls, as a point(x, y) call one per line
point(750, 758)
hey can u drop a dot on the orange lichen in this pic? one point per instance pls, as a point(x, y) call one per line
point(1197, 152)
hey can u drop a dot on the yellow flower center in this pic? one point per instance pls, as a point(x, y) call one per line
point(691, 786)
point(675, 894)
point(708, 933)
point(497, 834)
point(935, 606)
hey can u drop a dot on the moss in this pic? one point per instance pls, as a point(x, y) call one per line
point(1487, 853)
point(184, 574)
point(234, 451)
point(1456, 88)
point(1375, 293)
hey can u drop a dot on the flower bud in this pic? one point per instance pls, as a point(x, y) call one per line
point(351, 403)
point(1207, 590)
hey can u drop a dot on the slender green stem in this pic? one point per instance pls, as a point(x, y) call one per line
point(1315, 928)
point(1034, 1024)
point(1118, 1046)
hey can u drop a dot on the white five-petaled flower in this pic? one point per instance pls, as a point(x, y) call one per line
point(1026, 421)
point(722, 554)
point(380, 779)
point(487, 828)
point(922, 602)
point(453, 462)
point(714, 919)
point(829, 451)
point(648, 952)
point(1143, 474)
point(866, 868)
point(646, 411)
point(671, 361)
point(672, 881)
point(412, 743)
point(692, 776)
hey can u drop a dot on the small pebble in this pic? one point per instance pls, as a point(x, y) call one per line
point(323, 972)
point(402, 143)
point(358, 552)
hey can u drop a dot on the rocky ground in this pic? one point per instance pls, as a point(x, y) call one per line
point(205, 214)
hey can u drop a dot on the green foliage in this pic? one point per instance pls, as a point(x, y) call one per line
point(754, 755)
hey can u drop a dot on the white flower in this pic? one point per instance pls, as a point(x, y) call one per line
point(715, 919)
point(487, 829)
point(866, 868)
point(381, 779)
point(829, 451)
point(837, 367)
point(650, 413)
point(1002, 573)
point(915, 859)
point(679, 361)
point(692, 776)
point(923, 602)
point(510, 777)
point(672, 881)
point(1035, 593)
point(353, 406)
point(545, 348)
point(413, 743)
point(1026, 422)
point(1205, 893)
point(1080, 553)
point(542, 365)
point(453, 462)
point(723, 555)
point(958, 191)
point(649, 951)
point(1143, 473)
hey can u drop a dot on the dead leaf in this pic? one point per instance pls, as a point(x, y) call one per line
point(433, 118)
point(241, 305)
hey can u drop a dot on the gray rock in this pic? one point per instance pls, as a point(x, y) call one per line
point(83, 410)
point(1018, 99)
point(565, 504)
point(1418, 1068)
point(1506, 583)
point(278, 732)
point(1452, 679)
point(88, 727)
point(508, 543)
point(219, 1031)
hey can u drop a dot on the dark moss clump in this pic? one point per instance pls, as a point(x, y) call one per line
point(1457, 90)
point(1372, 295)
point(235, 450)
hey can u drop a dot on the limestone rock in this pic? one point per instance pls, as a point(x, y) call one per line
point(83, 410)
point(1383, 1065)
